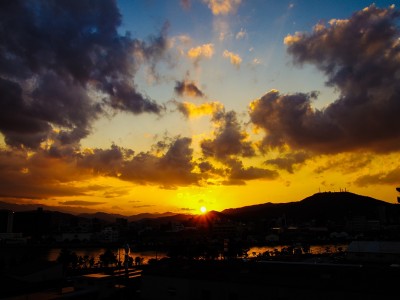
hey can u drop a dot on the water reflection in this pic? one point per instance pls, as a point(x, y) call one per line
point(53, 253)
point(314, 249)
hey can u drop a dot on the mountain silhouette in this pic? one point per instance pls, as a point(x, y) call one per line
point(111, 217)
point(335, 206)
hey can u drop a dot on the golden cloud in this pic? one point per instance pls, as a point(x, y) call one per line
point(235, 59)
point(206, 50)
point(191, 110)
point(223, 7)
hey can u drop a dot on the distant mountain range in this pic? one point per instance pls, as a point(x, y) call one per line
point(138, 217)
point(334, 206)
point(89, 215)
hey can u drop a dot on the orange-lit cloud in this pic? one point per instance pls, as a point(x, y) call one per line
point(235, 59)
point(238, 174)
point(346, 163)
point(80, 203)
point(203, 51)
point(174, 168)
point(191, 110)
point(390, 177)
point(289, 160)
point(359, 57)
point(47, 174)
point(39, 176)
point(229, 138)
point(223, 7)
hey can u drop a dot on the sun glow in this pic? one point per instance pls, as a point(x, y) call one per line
point(203, 209)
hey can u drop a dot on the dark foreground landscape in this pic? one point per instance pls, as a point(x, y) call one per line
point(265, 251)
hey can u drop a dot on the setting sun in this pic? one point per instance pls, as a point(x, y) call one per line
point(203, 209)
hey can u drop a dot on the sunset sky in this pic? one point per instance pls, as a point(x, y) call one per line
point(153, 106)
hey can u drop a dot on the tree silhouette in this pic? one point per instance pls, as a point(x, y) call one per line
point(67, 258)
point(108, 258)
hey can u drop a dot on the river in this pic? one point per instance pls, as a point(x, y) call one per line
point(52, 253)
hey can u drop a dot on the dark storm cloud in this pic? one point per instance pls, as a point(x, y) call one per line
point(58, 59)
point(359, 57)
point(187, 88)
point(289, 160)
point(106, 162)
point(229, 138)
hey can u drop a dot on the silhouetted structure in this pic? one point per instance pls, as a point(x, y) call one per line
point(268, 280)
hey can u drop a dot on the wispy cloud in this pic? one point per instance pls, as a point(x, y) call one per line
point(223, 7)
point(80, 203)
point(235, 59)
point(199, 52)
point(191, 110)
point(241, 34)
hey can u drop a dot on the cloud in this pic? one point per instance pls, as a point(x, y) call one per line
point(187, 209)
point(289, 160)
point(211, 173)
point(235, 59)
point(143, 206)
point(39, 175)
point(359, 57)
point(186, 4)
point(238, 174)
point(289, 119)
point(223, 7)
point(57, 59)
point(388, 178)
point(169, 166)
point(50, 173)
point(229, 138)
point(191, 110)
point(187, 88)
point(346, 163)
point(105, 162)
point(80, 203)
point(203, 51)
point(174, 168)
point(241, 34)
